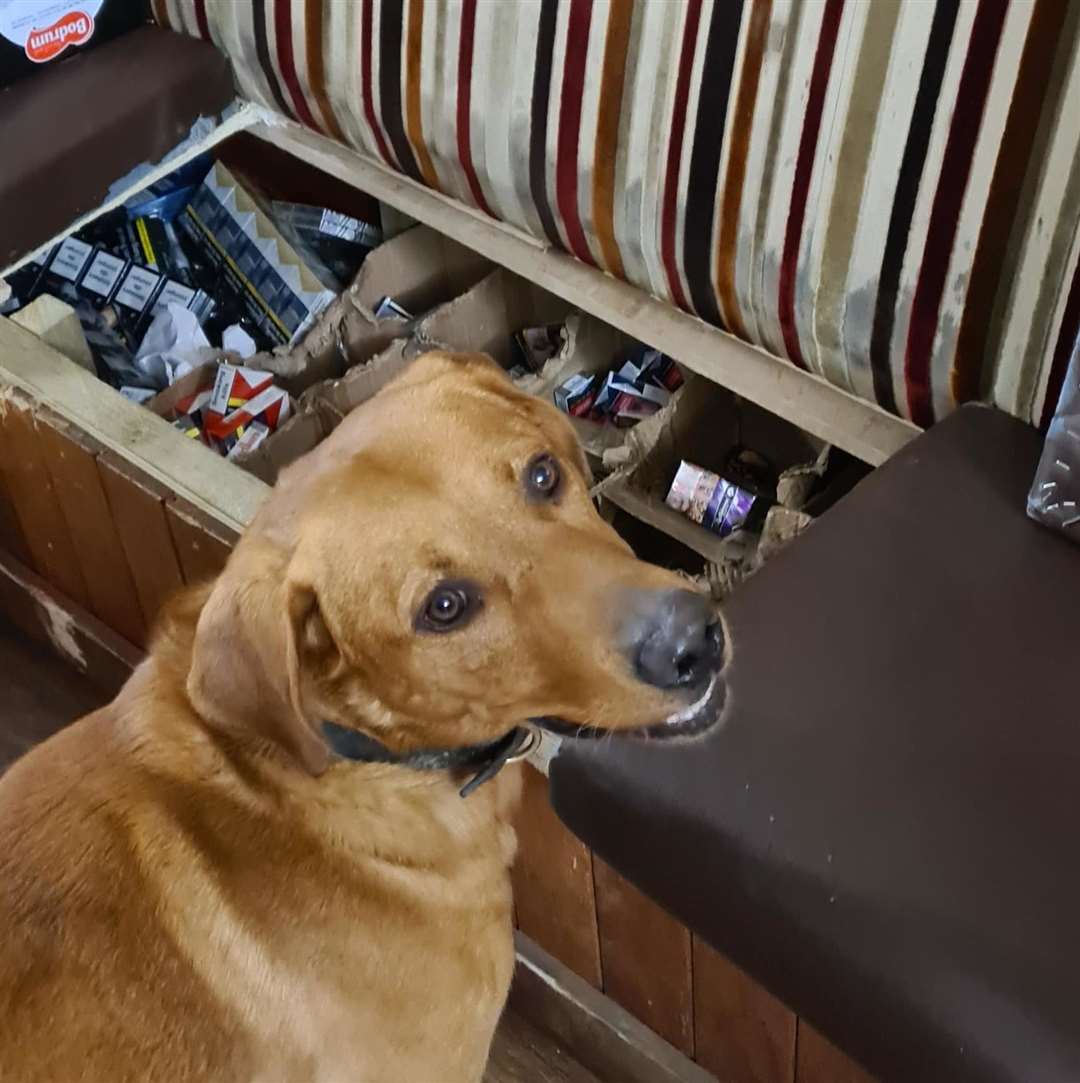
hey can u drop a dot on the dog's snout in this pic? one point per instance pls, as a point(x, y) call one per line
point(672, 638)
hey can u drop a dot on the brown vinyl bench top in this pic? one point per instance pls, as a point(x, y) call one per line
point(884, 833)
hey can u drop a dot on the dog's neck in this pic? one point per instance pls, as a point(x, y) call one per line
point(413, 817)
point(480, 763)
point(354, 765)
point(265, 767)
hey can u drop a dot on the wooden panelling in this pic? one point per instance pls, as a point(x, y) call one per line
point(46, 616)
point(742, 1033)
point(51, 551)
point(138, 510)
point(553, 884)
point(11, 535)
point(645, 956)
point(72, 463)
point(819, 1061)
point(202, 544)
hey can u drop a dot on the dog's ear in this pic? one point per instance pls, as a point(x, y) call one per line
point(245, 674)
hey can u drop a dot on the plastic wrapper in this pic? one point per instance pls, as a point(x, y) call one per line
point(1054, 499)
point(389, 309)
point(239, 257)
point(533, 347)
point(332, 244)
point(9, 302)
point(717, 504)
point(166, 198)
point(640, 387)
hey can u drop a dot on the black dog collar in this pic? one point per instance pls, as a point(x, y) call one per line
point(487, 760)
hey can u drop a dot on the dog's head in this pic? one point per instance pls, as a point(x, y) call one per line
point(435, 574)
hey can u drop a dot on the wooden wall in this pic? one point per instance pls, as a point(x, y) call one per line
point(102, 534)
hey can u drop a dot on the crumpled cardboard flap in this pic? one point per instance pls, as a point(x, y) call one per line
point(418, 268)
point(797, 482)
point(702, 424)
point(483, 319)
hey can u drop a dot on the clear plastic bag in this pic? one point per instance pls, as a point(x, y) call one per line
point(1055, 495)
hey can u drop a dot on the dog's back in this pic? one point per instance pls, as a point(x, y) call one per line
point(91, 986)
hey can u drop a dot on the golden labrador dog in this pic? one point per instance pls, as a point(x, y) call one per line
point(282, 852)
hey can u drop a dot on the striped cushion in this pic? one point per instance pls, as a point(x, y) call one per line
point(887, 194)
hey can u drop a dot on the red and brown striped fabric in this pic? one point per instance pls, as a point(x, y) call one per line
point(885, 192)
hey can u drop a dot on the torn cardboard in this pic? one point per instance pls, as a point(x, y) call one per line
point(419, 269)
point(702, 425)
point(299, 435)
point(485, 320)
point(482, 318)
point(199, 378)
point(323, 408)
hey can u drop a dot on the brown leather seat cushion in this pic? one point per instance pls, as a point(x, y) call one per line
point(73, 129)
point(885, 832)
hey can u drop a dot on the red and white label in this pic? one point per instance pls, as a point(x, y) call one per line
point(75, 28)
point(43, 29)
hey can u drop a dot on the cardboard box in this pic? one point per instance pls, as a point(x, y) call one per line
point(419, 269)
point(482, 320)
point(702, 425)
point(198, 379)
point(320, 413)
point(35, 34)
point(485, 319)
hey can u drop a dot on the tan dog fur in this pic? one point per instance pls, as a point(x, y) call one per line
point(192, 888)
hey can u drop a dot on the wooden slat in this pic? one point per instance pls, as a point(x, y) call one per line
point(72, 462)
point(52, 553)
point(202, 544)
point(604, 1037)
point(11, 535)
point(553, 884)
point(645, 957)
point(741, 1032)
point(77, 636)
point(819, 1061)
point(138, 510)
point(522, 1052)
point(808, 401)
point(669, 522)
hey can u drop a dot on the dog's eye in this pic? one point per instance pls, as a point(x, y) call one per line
point(542, 477)
point(447, 607)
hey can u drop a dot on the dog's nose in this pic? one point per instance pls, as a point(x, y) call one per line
point(672, 637)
